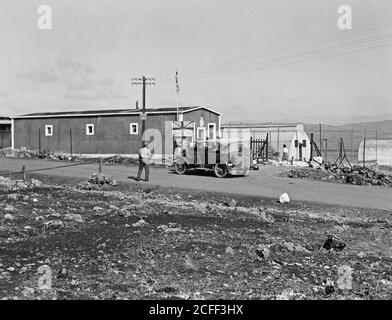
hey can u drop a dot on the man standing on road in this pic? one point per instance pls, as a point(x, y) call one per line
point(145, 159)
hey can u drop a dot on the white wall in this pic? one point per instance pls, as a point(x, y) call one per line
point(379, 151)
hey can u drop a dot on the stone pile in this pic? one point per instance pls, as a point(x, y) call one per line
point(99, 178)
point(357, 175)
point(98, 181)
point(120, 160)
point(10, 184)
point(29, 154)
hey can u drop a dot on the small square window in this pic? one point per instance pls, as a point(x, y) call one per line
point(133, 128)
point(211, 131)
point(89, 129)
point(49, 130)
point(201, 133)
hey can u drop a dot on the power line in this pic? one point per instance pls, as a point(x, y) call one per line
point(358, 44)
point(249, 63)
point(296, 46)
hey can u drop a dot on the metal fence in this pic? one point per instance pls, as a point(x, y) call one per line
point(363, 147)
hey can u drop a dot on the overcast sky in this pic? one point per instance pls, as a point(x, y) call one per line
point(265, 60)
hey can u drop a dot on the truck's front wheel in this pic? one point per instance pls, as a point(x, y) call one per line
point(180, 168)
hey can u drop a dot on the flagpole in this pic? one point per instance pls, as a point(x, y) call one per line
point(177, 108)
point(177, 91)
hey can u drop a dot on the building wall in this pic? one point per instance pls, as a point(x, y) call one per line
point(285, 135)
point(294, 151)
point(379, 151)
point(111, 133)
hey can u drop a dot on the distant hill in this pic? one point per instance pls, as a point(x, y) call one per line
point(383, 129)
point(352, 133)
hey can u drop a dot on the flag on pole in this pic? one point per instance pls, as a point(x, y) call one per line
point(177, 85)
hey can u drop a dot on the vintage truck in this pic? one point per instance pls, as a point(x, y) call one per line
point(223, 157)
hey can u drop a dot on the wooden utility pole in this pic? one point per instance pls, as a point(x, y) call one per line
point(144, 82)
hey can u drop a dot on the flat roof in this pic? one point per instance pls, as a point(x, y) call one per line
point(258, 125)
point(5, 120)
point(134, 111)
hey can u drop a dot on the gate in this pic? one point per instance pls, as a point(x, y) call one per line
point(259, 149)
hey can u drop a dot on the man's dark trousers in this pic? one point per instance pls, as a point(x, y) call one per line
point(146, 171)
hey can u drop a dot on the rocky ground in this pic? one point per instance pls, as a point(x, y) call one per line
point(358, 175)
point(132, 242)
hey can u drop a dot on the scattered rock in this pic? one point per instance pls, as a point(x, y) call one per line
point(230, 250)
point(62, 273)
point(12, 196)
point(74, 217)
point(53, 224)
point(168, 229)
point(36, 183)
point(284, 198)
point(10, 208)
point(8, 217)
point(331, 243)
point(288, 245)
point(263, 252)
point(361, 254)
point(188, 261)
point(329, 287)
point(232, 203)
point(286, 294)
point(140, 223)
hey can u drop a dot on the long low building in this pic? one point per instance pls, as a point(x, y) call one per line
point(112, 132)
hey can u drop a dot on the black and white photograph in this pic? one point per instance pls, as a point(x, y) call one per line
point(214, 153)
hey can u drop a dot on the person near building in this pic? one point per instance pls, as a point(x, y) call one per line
point(145, 160)
point(285, 156)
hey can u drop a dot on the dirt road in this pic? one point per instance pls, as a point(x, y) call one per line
point(264, 183)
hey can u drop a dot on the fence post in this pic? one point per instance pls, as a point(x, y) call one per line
point(326, 150)
point(251, 152)
point(364, 148)
point(266, 150)
point(70, 140)
point(270, 139)
point(320, 139)
point(100, 165)
point(39, 140)
point(24, 172)
point(352, 146)
point(311, 147)
point(376, 147)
